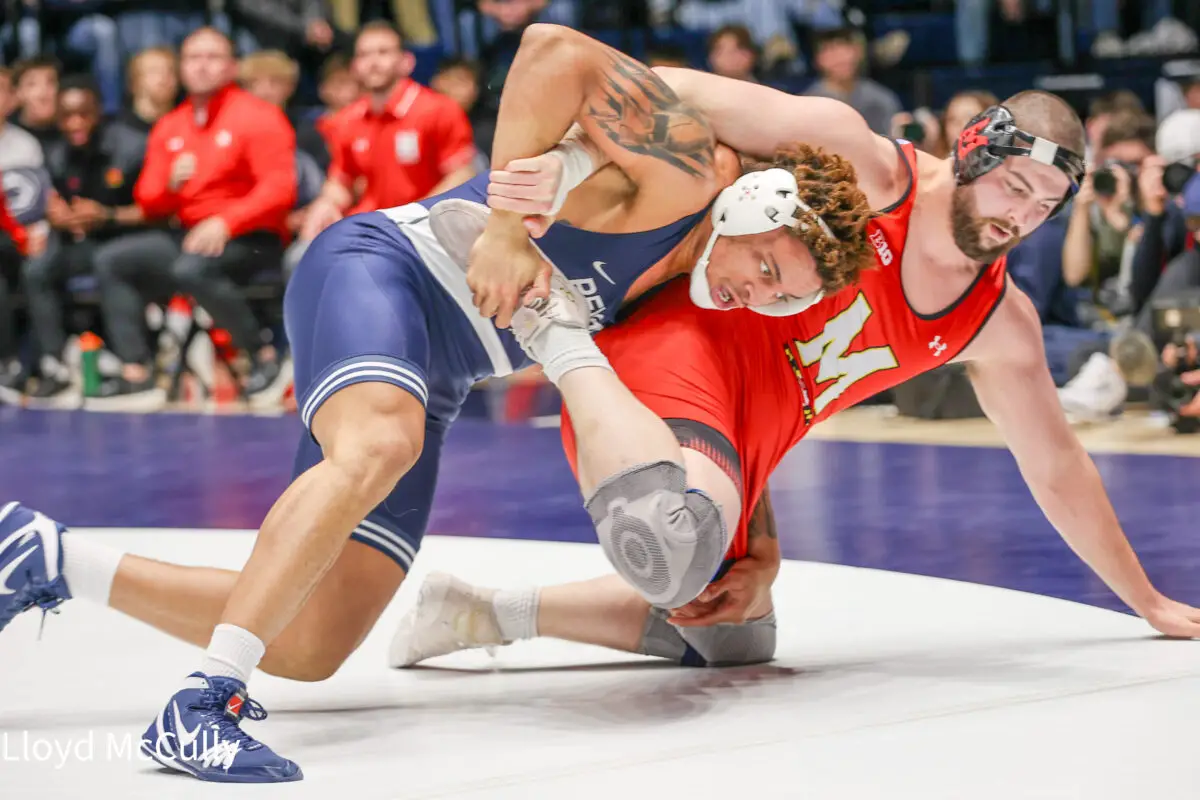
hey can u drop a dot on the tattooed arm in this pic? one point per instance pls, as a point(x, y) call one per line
point(762, 537)
point(560, 77)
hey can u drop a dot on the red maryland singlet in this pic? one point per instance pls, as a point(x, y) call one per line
point(763, 381)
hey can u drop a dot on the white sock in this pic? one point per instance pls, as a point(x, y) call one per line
point(516, 613)
point(233, 652)
point(89, 567)
point(561, 349)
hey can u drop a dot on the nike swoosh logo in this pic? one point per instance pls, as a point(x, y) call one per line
point(7, 572)
point(599, 267)
point(185, 736)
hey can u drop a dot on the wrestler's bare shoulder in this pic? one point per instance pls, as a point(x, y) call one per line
point(1012, 334)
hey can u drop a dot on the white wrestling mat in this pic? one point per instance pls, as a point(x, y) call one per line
point(885, 686)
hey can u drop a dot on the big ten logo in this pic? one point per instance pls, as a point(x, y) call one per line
point(881, 247)
point(595, 302)
point(830, 349)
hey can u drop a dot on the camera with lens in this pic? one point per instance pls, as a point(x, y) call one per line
point(1104, 179)
point(1177, 174)
point(1177, 320)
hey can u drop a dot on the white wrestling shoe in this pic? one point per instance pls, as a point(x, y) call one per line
point(565, 307)
point(449, 615)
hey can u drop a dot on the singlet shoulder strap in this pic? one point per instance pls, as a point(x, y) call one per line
point(908, 154)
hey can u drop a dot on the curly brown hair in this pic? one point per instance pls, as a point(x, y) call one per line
point(829, 185)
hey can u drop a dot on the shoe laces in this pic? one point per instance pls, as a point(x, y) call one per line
point(43, 595)
point(213, 700)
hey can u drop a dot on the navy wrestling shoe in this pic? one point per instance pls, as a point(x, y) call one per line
point(199, 733)
point(31, 560)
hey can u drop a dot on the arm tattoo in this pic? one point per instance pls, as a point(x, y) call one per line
point(638, 111)
point(762, 521)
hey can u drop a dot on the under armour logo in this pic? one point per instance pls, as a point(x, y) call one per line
point(937, 346)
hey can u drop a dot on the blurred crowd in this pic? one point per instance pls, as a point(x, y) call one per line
point(175, 155)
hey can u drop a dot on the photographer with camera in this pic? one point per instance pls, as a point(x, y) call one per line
point(1163, 289)
point(1108, 220)
point(1105, 216)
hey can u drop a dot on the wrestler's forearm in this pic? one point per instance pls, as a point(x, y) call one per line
point(544, 93)
point(761, 534)
point(1073, 499)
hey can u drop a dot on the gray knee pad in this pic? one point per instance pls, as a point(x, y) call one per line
point(751, 642)
point(664, 540)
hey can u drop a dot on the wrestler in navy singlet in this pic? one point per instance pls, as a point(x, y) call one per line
point(376, 299)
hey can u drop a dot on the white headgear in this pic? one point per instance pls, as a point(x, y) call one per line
point(757, 202)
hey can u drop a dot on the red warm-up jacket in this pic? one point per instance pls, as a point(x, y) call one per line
point(245, 152)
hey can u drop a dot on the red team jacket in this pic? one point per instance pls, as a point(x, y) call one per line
point(762, 382)
point(400, 152)
point(245, 152)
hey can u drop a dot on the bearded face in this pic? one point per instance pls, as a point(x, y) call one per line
point(982, 239)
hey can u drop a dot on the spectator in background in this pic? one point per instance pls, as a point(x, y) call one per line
point(296, 27)
point(223, 165)
point(667, 56)
point(402, 140)
point(18, 147)
point(12, 250)
point(458, 79)
point(962, 108)
point(338, 87)
point(1103, 228)
point(1035, 266)
point(840, 56)
point(1164, 262)
point(153, 86)
point(413, 18)
point(733, 53)
point(937, 134)
point(36, 80)
point(73, 30)
point(145, 24)
point(1191, 91)
point(508, 20)
point(1100, 112)
point(93, 168)
point(271, 76)
point(772, 23)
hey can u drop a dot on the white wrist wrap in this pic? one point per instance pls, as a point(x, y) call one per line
point(577, 167)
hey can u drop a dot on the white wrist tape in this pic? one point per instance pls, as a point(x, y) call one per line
point(577, 167)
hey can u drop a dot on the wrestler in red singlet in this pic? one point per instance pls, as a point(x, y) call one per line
point(761, 382)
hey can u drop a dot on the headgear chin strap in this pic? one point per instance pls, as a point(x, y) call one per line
point(757, 202)
point(993, 136)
